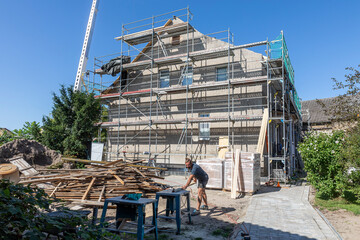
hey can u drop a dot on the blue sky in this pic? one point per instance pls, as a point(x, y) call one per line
point(41, 41)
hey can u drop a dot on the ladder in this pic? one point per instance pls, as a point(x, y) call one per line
point(86, 46)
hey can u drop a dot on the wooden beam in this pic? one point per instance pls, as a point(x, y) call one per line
point(88, 189)
point(82, 160)
point(112, 163)
point(102, 192)
point(234, 180)
point(262, 135)
point(119, 179)
point(136, 170)
point(52, 193)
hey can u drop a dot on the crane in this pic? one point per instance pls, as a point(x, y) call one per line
point(86, 46)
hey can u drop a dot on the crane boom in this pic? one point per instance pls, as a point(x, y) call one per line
point(86, 45)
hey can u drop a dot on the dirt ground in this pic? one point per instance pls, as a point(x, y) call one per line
point(33, 152)
point(216, 223)
point(346, 223)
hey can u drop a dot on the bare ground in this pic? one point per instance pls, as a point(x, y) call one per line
point(217, 222)
point(346, 223)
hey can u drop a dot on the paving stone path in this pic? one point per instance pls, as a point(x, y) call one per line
point(285, 213)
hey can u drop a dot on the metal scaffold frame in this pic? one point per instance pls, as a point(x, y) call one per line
point(284, 112)
point(147, 101)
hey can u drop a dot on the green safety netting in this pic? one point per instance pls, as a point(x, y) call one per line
point(297, 101)
point(279, 50)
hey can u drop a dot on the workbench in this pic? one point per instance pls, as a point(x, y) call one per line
point(132, 209)
point(173, 205)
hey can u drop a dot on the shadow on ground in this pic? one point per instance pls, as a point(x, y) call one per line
point(257, 232)
point(211, 224)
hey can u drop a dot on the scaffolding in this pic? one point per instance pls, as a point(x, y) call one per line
point(174, 83)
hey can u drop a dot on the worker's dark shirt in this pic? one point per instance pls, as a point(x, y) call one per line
point(199, 173)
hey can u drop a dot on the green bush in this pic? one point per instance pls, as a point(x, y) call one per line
point(23, 216)
point(20, 211)
point(322, 156)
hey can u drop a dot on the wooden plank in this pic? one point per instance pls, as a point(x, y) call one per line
point(102, 192)
point(55, 189)
point(234, 180)
point(262, 135)
point(88, 189)
point(119, 179)
point(149, 167)
point(82, 160)
point(49, 180)
point(112, 163)
point(25, 168)
point(136, 170)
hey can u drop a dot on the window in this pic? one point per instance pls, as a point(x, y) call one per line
point(204, 128)
point(221, 74)
point(187, 77)
point(164, 78)
point(175, 40)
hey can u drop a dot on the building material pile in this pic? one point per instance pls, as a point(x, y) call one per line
point(239, 172)
point(99, 181)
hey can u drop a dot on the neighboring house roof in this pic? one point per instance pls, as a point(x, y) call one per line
point(2, 130)
point(314, 112)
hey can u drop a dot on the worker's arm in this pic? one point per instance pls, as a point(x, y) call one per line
point(188, 182)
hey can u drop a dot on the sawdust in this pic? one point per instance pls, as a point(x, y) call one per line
point(31, 151)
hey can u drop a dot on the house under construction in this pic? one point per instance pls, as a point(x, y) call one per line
point(180, 93)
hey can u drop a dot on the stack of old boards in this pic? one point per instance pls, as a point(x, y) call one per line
point(239, 172)
point(99, 182)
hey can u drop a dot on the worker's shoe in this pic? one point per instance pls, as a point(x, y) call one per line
point(195, 212)
point(204, 207)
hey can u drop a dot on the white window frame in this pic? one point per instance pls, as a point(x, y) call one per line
point(187, 75)
point(204, 128)
point(221, 74)
point(164, 77)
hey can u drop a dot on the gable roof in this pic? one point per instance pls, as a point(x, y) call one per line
point(3, 130)
point(314, 112)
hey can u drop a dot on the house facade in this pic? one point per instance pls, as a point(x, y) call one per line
point(181, 93)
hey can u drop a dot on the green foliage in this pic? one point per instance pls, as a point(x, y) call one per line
point(19, 210)
point(351, 150)
point(338, 203)
point(31, 131)
point(223, 232)
point(6, 137)
point(346, 106)
point(323, 162)
point(22, 216)
point(71, 126)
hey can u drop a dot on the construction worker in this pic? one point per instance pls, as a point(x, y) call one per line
point(199, 175)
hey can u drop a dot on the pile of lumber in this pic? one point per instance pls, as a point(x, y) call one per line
point(99, 181)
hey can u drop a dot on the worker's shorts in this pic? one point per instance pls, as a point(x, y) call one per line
point(202, 184)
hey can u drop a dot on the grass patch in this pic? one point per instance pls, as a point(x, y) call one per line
point(223, 232)
point(338, 203)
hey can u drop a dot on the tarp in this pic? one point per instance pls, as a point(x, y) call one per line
point(114, 65)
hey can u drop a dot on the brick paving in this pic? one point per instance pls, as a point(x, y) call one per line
point(285, 213)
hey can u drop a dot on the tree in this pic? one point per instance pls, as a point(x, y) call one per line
point(6, 137)
point(71, 125)
point(345, 107)
point(31, 131)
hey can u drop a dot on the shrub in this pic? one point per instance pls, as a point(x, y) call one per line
point(323, 162)
point(23, 216)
